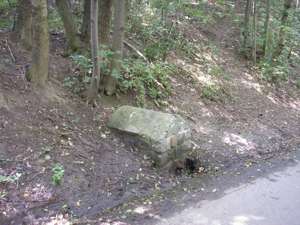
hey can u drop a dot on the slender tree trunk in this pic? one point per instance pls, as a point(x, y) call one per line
point(23, 27)
point(105, 16)
point(246, 24)
point(69, 24)
point(254, 45)
point(40, 52)
point(93, 91)
point(85, 26)
point(237, 5)
point(266, 28)
point(284, 21)
point(127, 10)
point(117, 45)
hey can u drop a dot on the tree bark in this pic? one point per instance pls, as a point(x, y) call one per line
point(284, 20)
point(38, 73)
point(266, 28)
point(254, 45)
point(69, 24)
point(93, 91)
point(117, 45)
point(105, 16)
point(23, 28)
point(246, 23)
point(237, 5)
point(85, 26)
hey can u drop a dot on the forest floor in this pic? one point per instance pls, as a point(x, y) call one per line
point(105, 176)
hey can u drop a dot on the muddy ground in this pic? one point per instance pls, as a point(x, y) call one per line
point(105, 175)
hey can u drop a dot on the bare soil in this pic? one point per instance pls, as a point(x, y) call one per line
point(104, 172)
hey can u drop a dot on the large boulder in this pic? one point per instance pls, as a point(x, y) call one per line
point(164, 136)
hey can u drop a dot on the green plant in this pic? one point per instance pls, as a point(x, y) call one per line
point(10, 178)
point(218, 72)
point(84, 63)
point(159, 37)
point(78, 82)
point(147, 80)
point(3, 194)
point(57, 174)
point(5, 4)
point(6, 13)
point(106, 56)
point(274, 72)
point(54, 21)
point(199, 13)
point(213, 92)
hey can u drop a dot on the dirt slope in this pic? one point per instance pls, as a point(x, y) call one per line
point(41, 128)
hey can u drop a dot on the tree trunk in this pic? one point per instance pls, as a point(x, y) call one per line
point(85, 26)
point(105, 16)
point(38, 73)
point(93, 91)
point(266, 28)
point(254, 45)
point(237, 6)
point(284, 21)
point(23, 28)
point(246, 24)
point(117, 45)
point(69, 24)
point(127, 10)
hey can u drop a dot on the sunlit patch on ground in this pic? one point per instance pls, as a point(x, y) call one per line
point(242, 144)
point(245, 219)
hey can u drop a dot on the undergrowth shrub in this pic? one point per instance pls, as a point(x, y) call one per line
point(7, 9)
point(277, 70)
point(146, 80)
point(58, 172)
point(214, 92)
point(54, 20)
point(274, 73)
point(78, 82)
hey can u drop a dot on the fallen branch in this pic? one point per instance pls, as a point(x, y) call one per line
point(10, 51)
point(136, 51)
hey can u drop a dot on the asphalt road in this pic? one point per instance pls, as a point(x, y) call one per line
point(272, 200)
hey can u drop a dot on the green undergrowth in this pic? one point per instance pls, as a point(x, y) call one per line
point(7, 11)
point(148, 81)
point(54, 21)
point(7, 4)
point(214, 92)
point(58, 172)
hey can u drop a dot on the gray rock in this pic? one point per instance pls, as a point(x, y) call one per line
point(164, 136)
